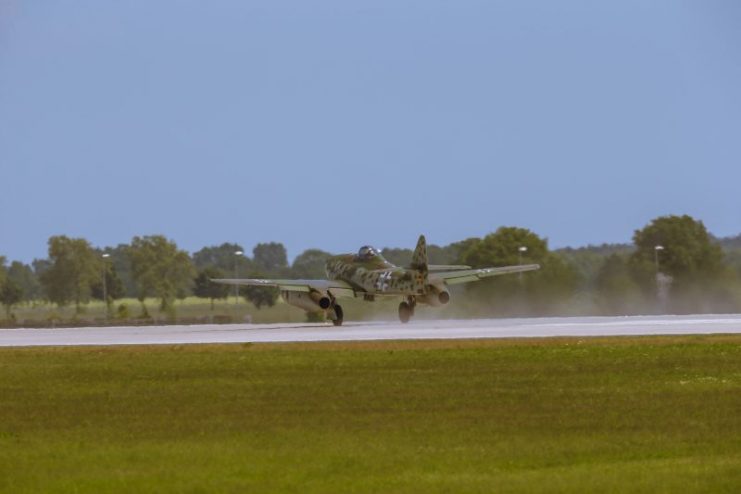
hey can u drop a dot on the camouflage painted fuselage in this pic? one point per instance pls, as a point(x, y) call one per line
point(376, 276)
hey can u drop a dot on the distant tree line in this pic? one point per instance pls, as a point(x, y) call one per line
point(673, 265)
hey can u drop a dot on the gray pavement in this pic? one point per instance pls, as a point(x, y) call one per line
point(360, 331)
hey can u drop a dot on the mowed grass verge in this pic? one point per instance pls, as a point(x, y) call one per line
point(649, 414)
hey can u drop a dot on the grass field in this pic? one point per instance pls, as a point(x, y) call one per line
point(650, 414)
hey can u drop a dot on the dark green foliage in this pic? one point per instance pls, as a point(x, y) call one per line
point(74, 267)
point(225, 259)
point(689, 252)
point(160, 269)
point(700, 282)
point(122, 312)
point(121, 263)
point(457, 249)
point(270, 258)
point(310, 264)
point(441, 255)
point(398, 257)
point(543, 292)
point(40, 266)
point(435, 255)
point(587, 261)
point(23, 276)
point(203, 286)
point(114, 287)
point(551, 289)
point(259, 296)
point(10, 295)
point(604, 279)
point(502, 248)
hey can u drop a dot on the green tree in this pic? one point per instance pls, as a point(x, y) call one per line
point(120, 262)
point(74, 267)
point(588, 261)
point(114, 287)
point(3, 271)
point(310, 264)
point(692, 258)
point(205, 288)
point(24, 276)
point(399, 257)
point(259, 296)
point(547, 291)
point(441, 255)
point(40, 266)
point(688, 252)
point(270, 258)
point(10, 295)
point(435, 255)
point(224, 258)
point(160, 270)
point(502, 248)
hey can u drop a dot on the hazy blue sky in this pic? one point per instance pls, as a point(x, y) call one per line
point(332, 124)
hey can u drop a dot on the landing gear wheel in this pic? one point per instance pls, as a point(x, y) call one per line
point(412, 302)
point(405, 312)
point(337, 321)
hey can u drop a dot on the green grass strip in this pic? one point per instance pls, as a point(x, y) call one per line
point(649, 414)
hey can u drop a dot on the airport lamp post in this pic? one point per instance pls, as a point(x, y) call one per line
point(237, 254)
point(656, 257)
point(105, 288)
point(520, 251)
point(660, 281)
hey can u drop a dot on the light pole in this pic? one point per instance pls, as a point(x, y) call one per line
point(522, 249)
point(661, 281)
point(237, 254)
point(105, 287)
point(656, 257)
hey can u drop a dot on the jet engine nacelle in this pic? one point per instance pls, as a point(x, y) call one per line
point(435, 296)
point(313, 301)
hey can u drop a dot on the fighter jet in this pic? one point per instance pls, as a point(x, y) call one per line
point(368, 275)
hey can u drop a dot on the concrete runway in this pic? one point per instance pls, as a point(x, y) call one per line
point(420, 329)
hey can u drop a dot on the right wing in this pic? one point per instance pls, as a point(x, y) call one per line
point(468, 275)
point(336, 288)
point(446, 267)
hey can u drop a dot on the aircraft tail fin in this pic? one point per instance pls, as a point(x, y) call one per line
point(419, 258)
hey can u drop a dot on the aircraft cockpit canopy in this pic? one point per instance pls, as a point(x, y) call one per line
point(367, 252)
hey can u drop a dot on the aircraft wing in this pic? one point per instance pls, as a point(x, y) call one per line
point(468, 275)
point(446, 267)
point(337, 288)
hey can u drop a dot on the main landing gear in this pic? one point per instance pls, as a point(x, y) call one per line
point(406, 309)
point(338, 315)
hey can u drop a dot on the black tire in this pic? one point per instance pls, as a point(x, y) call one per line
point(339, 316)
point(405, 312)
point(412, 303)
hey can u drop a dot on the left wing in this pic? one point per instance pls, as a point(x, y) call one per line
point(468, 275)
point(337, 288)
